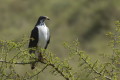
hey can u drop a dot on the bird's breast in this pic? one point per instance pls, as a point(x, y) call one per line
point(42, 36)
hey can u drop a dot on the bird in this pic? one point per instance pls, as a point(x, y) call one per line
point(39, 38)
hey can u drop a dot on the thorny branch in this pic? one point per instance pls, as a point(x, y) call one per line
point(47, 64)
point(95, 70)
point(38, 72)
point(21, 63)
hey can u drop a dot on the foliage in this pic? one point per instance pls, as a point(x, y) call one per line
point(15, 53)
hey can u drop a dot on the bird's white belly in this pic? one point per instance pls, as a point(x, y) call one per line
point(42, 36)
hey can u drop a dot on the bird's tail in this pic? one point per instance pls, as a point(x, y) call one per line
point(40, 58)
point(33, 63)
point(33, 66)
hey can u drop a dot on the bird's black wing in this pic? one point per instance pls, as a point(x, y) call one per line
point(33, 39)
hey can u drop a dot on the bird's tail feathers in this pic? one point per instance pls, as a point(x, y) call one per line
point(33, 66)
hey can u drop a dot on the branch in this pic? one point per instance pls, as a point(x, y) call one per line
point(21, 63)
point(95, 70)
point(38, 72)
point(47, 64)
point(60, 72)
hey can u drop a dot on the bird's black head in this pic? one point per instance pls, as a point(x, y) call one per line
point(41, 20)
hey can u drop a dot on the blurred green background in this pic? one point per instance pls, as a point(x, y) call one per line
point(85, 20)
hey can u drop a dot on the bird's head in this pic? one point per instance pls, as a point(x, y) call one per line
point(43, 18)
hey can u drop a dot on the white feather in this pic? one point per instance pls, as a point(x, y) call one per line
point(43, 35)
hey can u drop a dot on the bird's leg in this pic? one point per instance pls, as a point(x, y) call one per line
point(40, 57)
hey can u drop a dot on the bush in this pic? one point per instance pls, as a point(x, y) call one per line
point(15, 53)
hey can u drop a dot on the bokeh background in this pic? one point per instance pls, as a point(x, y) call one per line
point(85, 20)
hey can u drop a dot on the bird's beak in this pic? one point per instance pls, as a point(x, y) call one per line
point(47, 18)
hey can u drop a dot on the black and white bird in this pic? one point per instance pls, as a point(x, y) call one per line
point(40, 38)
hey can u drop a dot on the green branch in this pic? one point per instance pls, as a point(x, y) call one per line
point(47, 64)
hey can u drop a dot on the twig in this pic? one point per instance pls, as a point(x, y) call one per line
point(95, 70)
point(60, 72)
point(48, 64)
point(38, 72)
point(21, 63)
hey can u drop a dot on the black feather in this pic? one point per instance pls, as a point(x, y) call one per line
point(33, 39)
